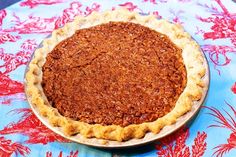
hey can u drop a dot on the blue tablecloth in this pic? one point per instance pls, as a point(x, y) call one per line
point(211, 23)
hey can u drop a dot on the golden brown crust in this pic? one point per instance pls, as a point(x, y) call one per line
point(192, 58)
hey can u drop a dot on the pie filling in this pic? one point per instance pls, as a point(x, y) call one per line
point(117, 73)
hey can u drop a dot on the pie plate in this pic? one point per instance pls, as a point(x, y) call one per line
point(149, 137)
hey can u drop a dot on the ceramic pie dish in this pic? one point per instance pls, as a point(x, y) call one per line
point(116, 79)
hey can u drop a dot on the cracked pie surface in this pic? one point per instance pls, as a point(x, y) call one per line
point(115, 75)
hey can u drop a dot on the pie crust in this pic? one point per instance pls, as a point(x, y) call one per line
point(192, 58)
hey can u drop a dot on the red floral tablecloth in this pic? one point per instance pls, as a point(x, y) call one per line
point(211, 23)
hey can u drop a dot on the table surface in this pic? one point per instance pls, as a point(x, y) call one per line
point(212, 24)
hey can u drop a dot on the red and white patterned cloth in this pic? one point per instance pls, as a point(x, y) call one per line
point(211, 23)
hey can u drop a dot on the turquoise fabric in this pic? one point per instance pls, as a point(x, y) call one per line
point(211, 23)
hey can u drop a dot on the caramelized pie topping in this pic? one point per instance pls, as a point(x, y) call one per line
point(115, 73)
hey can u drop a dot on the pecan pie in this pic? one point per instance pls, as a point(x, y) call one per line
point(115, 75)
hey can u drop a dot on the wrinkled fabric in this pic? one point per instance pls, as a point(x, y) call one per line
point(211, 23)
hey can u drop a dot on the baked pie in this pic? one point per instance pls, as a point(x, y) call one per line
point(115, 75)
